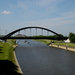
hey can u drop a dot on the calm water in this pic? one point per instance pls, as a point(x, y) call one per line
point(38, 59)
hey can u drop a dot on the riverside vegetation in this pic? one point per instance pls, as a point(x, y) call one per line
point(55, 42)
point(7, 61)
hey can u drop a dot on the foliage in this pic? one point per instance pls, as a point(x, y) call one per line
point(52, 37)
point(72, 37)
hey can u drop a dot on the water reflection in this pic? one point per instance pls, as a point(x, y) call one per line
point(29, 43)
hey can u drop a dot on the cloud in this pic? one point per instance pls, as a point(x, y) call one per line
point(6, 12)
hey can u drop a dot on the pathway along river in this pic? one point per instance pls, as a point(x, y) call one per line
point(39, 59)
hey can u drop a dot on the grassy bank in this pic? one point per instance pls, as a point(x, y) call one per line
point(43, 41)
point(7, 61)
point(55, 42)
point(64, 44)
point(6, 50)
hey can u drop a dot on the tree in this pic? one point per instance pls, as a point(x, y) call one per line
point(72, 37)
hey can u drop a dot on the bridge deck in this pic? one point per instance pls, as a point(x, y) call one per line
point(26, 38)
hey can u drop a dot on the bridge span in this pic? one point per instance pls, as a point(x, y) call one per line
point(37, 29)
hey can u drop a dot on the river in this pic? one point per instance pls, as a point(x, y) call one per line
point(36, 58)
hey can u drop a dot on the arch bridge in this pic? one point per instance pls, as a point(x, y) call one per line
point(9, 36)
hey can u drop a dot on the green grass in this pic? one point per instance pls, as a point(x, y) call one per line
point(61, 43)
point(64, 44)
point(6, 50)
point(7, 60)
point(43, 41)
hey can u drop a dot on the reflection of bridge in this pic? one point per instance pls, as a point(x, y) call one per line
point(9, 36)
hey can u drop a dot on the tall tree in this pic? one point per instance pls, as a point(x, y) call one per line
point(72, 37)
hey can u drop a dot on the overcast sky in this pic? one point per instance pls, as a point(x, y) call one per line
point(56, 15)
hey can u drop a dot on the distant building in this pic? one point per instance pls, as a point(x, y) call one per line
point(67, 41)
point(20, 35)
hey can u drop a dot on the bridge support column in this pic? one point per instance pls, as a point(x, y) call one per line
point(47, 33)
point(36, 32)
point(30, 31)
point(19, 32)
point(24, 32)
point(41, 31)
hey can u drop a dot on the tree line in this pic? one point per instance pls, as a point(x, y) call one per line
point(53, 37)
point(56, 37)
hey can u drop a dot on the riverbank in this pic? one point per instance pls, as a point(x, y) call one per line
point(58, 44)
point(63, 47)
point(16, 62)
point(8, 65)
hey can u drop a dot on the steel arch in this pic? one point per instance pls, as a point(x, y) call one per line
point(9, 35)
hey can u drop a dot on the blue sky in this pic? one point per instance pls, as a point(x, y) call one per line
point(56, 15)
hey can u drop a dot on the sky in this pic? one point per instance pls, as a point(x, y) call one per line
point(56, 15)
